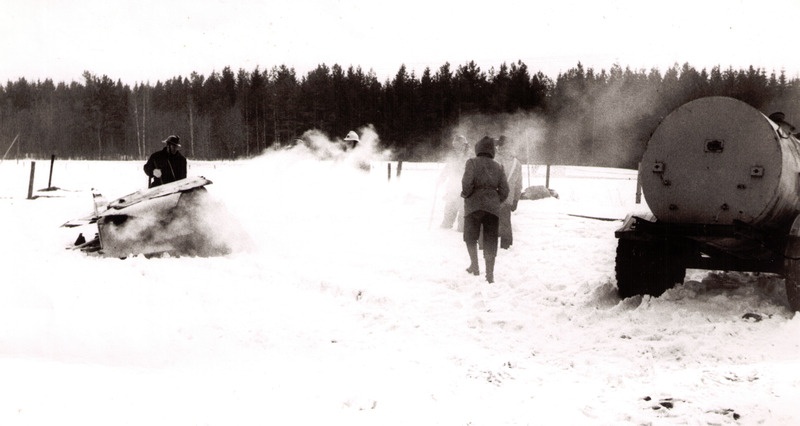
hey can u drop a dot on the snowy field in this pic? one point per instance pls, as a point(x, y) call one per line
point(348, 305)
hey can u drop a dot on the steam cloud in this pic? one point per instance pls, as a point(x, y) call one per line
point(316, 144)
point(608, 128)
point(525, 132)
point(191, 223)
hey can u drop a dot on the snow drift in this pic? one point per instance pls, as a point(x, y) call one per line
point(350, 309)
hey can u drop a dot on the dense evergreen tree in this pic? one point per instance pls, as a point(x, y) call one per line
point(584, 116)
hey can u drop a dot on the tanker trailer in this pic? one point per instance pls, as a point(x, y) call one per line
point(722, 182)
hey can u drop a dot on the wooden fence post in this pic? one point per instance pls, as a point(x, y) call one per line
point(30, 183)
point(399, 167)
point(547, 178)
point(50, 179)
point(389, 171)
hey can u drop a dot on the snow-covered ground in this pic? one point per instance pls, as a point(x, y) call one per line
point(349, 305)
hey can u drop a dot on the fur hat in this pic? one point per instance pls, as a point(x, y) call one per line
point(172, 140)
point(485, 146)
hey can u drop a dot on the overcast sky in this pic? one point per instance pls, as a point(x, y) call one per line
point(152, 40)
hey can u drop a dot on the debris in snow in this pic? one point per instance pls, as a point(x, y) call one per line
point(537, 192)
point(750, 316)
point(727, 412)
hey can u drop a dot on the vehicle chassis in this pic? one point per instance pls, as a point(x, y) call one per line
point(653, 256)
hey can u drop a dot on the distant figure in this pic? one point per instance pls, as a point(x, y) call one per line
point(780, 119)
point(358, 158)
point(513, 169)
point(484, 188)
point(451, 176)
point(350, 141)
point(166, 165)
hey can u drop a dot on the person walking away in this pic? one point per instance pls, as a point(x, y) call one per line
point(451, 175)
point(484, 187)
point(166, 165)
point(513, 169)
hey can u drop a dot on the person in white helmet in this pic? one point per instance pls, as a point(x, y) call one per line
point(359, 158)
point(350, 141)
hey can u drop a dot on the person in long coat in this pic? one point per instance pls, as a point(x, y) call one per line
point(513, 169)
point(166, 165)
point(484, 187)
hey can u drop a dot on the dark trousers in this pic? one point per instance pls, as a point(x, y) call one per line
point(506, 236)
point(490, 223)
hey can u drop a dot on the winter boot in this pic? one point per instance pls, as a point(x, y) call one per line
point(490, 269)
point(472, 249)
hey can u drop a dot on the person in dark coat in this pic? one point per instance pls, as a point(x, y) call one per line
point(167, 165)
point(484, 187)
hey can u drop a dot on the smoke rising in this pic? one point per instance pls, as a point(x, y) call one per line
point(607, 124)
point(192, 223)
point(524, 131)
point(318, 145)
point(315, 200)
point(316, 185)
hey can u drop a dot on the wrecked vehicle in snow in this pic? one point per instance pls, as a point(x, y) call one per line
point(175, 218)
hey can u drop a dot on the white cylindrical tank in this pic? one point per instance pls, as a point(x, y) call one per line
point(715, 160)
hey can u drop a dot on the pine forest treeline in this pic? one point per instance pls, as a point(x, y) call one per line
point(584, 117)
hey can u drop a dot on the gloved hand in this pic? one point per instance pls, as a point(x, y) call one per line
point(157, 173)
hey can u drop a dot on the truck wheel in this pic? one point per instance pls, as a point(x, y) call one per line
point(646, 267)
point(791, 273)
point(793, 290)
